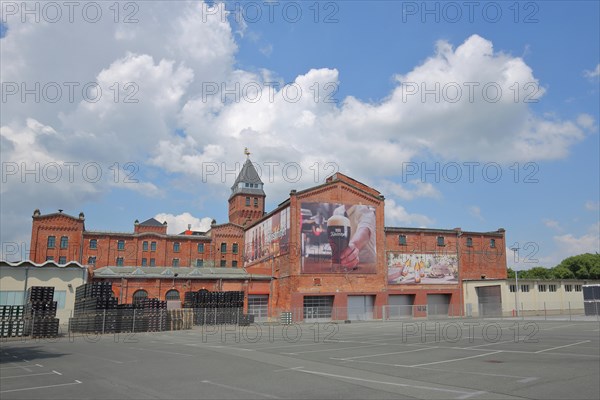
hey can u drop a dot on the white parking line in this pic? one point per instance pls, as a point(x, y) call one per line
point(464, 394)
point(560, 347)
point(336, 349)
point(25, 376)
point(41, 387)
point(383, 354)
point(240, 389)
point(454, 359)
point(161, 351)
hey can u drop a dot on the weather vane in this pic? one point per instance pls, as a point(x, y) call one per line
point(247, 152)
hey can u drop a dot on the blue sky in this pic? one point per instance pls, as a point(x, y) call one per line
point(373, 53)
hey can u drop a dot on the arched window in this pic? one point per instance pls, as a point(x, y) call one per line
point(172, 295)
point(140, 295)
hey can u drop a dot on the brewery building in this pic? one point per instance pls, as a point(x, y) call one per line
point(323, 253)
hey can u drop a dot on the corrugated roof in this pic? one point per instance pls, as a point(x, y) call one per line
point(176, 273)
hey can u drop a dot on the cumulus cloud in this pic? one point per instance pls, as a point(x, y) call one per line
point(550, 223)
point(179, 223)
point(592, 205)
point(396, 215)
point(593, 73)
point(475, 211)
point(414, 189)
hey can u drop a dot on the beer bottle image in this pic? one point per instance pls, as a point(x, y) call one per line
point(338, 234)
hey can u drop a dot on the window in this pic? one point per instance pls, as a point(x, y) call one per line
point(469, 242)
point(60, 297)
point(541, 288)
point(493, 243)
point(62, 260)
point(247, 201)
point(234, 263)
point(256, 202)
point(64, 242)
point(92, 260)
point(513, 288)
point(172, 295)
point(144, 262)
point(93, 244)
point(223, 263)
point(140, 295)
point(145, 246)
point(153, 246)
point(49, 258)
point(552, 288)
point(199, 262)
point(440, 241)
point(11, 297)
point(119, 261)
point(402, 240)
point(568, 288)
point(525, 288)
point(200, 247)
point(578, 288)
point(152, 262)
point(176, 247)
point(176, 262)
point(51, 242)
point(121, 245)
point(223, 247)
point(234, 248)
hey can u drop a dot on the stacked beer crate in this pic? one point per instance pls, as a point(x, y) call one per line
point(217, 308)
point(11, 321)
point(151, 315)
point(40, 312)
point(95, 309)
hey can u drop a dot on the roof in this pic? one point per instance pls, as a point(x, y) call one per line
point(45, 264)
point(249, 175)
point(151, 222)
point(181, 272)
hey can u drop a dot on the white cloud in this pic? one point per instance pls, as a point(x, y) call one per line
point(550, 223)
point(179, 223)
point(396, 215)
point(592, 205)
point(475, 211)
point(592, 74)
point(414, 189)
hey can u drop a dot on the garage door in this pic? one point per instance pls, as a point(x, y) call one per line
point(489, 299)
point(258, 305)
point(400, 306)
point(318, 308)
point(360, 308)
point(438, 304)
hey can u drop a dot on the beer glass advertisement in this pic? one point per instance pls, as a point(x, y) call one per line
point(338, 238)
point(422, 268)
point(270, 238)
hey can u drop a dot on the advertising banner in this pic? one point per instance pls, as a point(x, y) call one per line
point(338, 238)
point(270, 238)
point(419, 268)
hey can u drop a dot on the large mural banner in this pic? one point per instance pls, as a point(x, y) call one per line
point(270, 238)
point(338, 238)
point(421, 268)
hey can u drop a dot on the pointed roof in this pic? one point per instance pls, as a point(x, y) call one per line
point(248, 181)
point(151, 222)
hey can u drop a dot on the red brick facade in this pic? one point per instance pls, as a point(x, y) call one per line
point(480, 255)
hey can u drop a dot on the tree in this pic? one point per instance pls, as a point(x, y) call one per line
point(581, 264)
point(562, 273)
point(539, 273)
point(595, 272)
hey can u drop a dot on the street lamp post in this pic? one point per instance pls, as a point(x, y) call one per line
point(515, 250)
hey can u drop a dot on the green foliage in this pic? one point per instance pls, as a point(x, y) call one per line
point(562, 273)
point(583, 266)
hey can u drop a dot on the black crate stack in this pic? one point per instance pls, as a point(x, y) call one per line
point(95, 309)
point(151, 315)
point(217, 308)
point(40, 313)
point(11, 321)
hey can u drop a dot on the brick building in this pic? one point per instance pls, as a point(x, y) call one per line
point(283, 259)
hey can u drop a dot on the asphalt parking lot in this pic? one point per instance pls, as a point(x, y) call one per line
point(449, 359)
